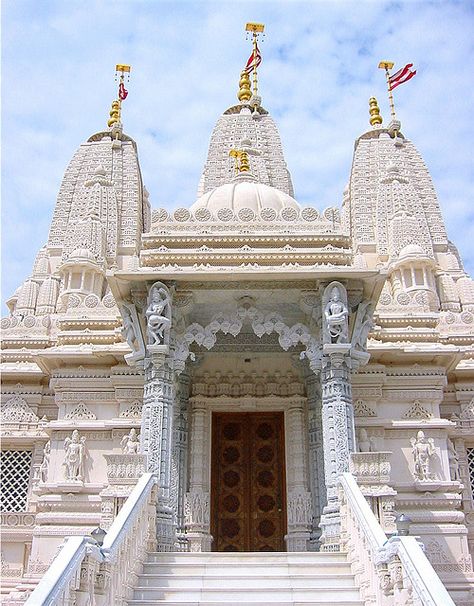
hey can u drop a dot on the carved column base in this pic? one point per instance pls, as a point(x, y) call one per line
point(199, 541)
point(297, 540)
point(165, 528)
point(330, 529)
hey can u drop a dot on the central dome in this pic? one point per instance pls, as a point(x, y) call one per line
point(245, 194)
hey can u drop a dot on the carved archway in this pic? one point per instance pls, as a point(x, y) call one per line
point(232, 323)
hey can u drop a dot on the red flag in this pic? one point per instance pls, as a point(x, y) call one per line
point(122, 92)
point(402, 76)
point(250, 63)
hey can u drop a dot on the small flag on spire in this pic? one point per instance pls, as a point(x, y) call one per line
point(402, 76)
point(254, 60)
point(122, 92)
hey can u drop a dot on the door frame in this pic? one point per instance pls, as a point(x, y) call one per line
point(296, 472)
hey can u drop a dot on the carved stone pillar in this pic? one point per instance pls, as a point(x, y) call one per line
point(299, 498)
point(316, 457)
point(197, 505)
point(338, 433)
point(179, 459)
point(156, 437)
point(156, 440)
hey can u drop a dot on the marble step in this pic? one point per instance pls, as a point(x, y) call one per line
point(239, 579)
point(256, 594)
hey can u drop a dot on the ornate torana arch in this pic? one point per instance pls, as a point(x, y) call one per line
point(262, 324)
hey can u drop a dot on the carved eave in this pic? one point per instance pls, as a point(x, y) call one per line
point(440, 357)
point(84, 354)
point(270, 258)
point(15, 368)
point(122, 282)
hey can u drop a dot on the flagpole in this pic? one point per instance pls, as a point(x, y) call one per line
point(256, 29)
point(387, 65)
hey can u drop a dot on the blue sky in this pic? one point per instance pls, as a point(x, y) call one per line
point(319, 69)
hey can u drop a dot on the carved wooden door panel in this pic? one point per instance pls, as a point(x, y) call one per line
point(248, 510)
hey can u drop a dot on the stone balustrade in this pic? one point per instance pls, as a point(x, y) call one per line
point(86, 573)
point(391, 571)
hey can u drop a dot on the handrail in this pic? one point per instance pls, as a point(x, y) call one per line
point(385, 567)
point(124, 546)
point(421, 573)
point(115, 537)
point(63, 570)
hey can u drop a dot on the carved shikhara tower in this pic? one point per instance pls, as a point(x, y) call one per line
point(253, 344)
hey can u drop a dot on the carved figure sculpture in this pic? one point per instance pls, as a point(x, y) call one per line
point(130, 443)
point(157, 316)
point(364, 324)
point(336, 316)
point(128, 330)
point(453, 459)
point(365, 445)
point(75, 456)
point(43, 470)
point(422, 450)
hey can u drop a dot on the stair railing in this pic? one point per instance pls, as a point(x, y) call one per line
point(390, 572)
point(86, 573)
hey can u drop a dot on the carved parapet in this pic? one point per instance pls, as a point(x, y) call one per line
point(372, 472)
point(370, 467)
point(124, 468)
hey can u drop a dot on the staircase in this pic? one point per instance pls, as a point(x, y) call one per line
point(285, 579)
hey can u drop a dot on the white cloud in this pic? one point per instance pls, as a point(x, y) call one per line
point(320, 67)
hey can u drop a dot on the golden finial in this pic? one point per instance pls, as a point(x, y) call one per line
point(115, 111)
point(244, 93)
point(374, 111)
point(242, 163)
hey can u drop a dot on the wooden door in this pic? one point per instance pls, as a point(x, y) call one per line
point(248, 509)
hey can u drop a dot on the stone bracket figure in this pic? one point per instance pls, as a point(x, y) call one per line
point(132, 332)
point(336, 314)
point(158, 315)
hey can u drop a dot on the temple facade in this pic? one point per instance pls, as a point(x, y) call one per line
point(247, 350)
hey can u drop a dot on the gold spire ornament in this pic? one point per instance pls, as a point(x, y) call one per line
point(242, 163)
point(374, 111)
point(114, 113)
point(116, 109)
point(244, 93)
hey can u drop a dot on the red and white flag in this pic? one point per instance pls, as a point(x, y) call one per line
point(402, 76)
point(251, 63)
point(122, 91)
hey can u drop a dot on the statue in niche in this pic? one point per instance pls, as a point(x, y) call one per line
point(423, 450)
point(130, 443)
point(336, 316)
point(365, 443)
point(453, 459)
point(75, 457)
point(158, 316)
point(44, 467)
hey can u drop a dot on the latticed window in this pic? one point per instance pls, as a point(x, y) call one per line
point(470, 467)
point(15, 474)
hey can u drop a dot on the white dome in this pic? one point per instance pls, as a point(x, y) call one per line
point(245, 194)
point(412, 250)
